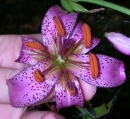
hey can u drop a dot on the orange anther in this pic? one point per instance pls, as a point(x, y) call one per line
point(71, 88)
point(93, 65)
point(59, 26)
point(86, 35)
point(34, 45)
point(37, 76)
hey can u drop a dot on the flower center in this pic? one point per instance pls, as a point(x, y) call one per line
point(60, 60)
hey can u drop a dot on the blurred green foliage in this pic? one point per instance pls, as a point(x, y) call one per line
point(25, 17)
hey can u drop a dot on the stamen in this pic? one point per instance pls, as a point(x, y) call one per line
point(68, 83)
point(34, 45)
point(73, 47)
point(93, 65)
point(38, 57)
point(59, 26)
point(37, 76)
point(86, 35)
point(71, 88)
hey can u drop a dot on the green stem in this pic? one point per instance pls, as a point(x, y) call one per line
point(107, 4)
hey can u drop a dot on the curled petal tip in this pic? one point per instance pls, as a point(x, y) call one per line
point(119, 41)
point(122, 72)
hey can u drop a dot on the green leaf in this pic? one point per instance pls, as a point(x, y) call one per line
point(77, 7)
point(95, 113)
point(102, 110)
point(74, 0)
point(66, 5)
point(70, 6)
point(79, 0)
point(107, 4)
point(85, 113)
point(109, 105)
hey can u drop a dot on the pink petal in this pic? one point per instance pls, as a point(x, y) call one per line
point(78, 58)
point(111, 72)
point(25, 57)
point(48, 27)
point(25, 91)
point(120, 42)
point(52, 48)
point(63, 97)
point(77, 35)
point(82, 50)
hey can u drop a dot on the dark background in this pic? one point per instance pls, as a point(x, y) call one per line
point(25, 17)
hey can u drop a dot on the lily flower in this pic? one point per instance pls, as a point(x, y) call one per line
point(120, 42)
point(60, 62)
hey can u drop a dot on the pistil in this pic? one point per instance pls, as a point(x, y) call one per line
point(60, 60)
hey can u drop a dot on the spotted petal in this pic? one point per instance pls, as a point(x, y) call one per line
point(77, 33)
point(63, 97)
point(111, 71)
point(78, 58)
point(24, 90)
point(48, 26)
point(26, 54)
